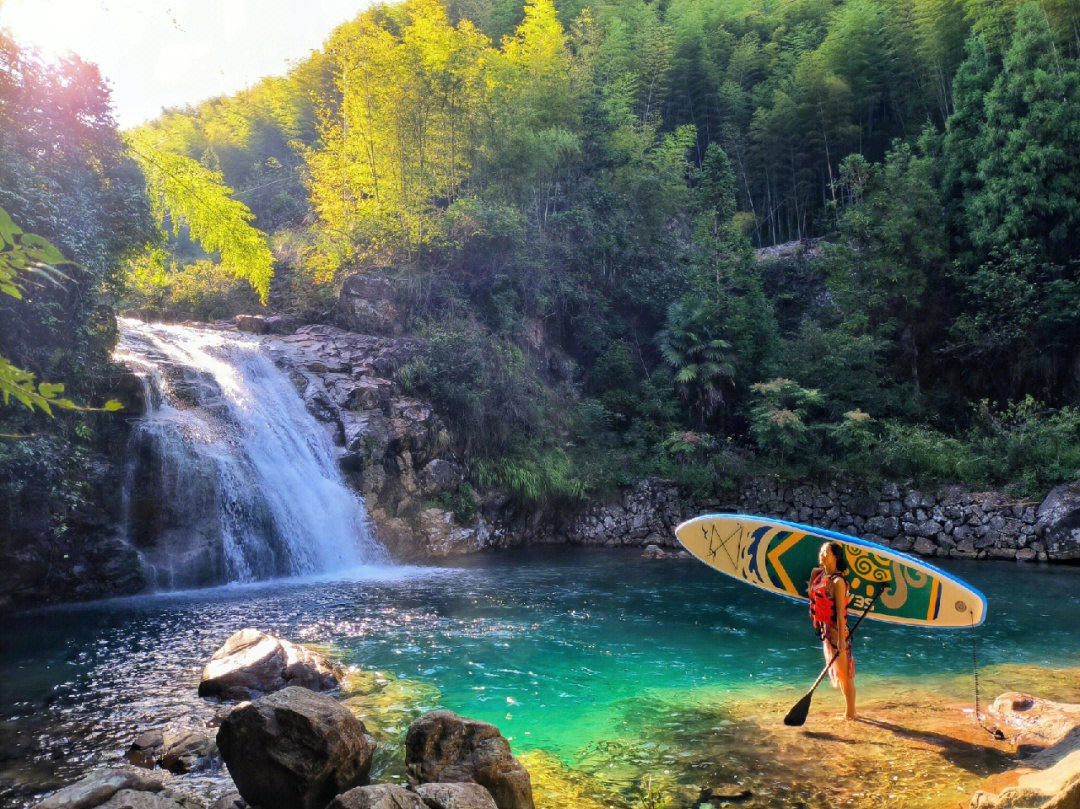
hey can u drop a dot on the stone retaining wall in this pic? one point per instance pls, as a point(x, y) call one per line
point(953, 522)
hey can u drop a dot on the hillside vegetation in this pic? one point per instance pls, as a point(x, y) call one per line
point(574, 192)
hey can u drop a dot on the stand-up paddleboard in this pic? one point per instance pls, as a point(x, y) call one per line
point(779, 556)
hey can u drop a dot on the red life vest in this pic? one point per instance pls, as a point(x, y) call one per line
point(822, 605)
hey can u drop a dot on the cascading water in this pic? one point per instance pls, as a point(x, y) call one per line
point(228, 477)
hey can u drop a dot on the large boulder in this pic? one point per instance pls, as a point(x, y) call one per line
point(1058, 522)
point(442, 747)
point(256, 324)
point(1029, 720)
point(252, 663)
point(1051, 781)
point(371, 304)
point(456, 796)
point(379, 796)
point(118, 788)
point(294, 749)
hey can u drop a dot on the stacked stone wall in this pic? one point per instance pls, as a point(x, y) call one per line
point(952, 522)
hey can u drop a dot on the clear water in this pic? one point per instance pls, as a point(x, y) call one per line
point(596, 664)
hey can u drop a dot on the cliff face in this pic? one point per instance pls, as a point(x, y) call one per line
point(396, 451)
point(60, 507)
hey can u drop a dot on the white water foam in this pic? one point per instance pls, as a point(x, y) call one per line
point(230, 478)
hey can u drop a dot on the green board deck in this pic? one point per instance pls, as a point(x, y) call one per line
point(779, 556)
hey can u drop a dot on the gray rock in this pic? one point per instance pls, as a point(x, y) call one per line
point(251, 663)
point(447, 748)
point(440, 476)
point(456, 796)
point(1058, 522)
point(145, 748)
point(190, 750)
point(230, 800)
point(281, 324)
point(378, 796)
point(371, 303)
point(256, 324)
point(924, 547)
point(98, 787)
point(294, 749)
point(135, 799)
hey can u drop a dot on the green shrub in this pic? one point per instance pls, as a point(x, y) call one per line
point(533, 474)
point(462, 502)
point(480, 383)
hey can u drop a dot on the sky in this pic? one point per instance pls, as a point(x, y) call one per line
point(170, 53)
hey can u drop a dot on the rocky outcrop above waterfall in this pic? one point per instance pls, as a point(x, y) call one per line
point(118, 788)
point(442, 747)
point(252, 663)
point(294, 749)
point(372, 303)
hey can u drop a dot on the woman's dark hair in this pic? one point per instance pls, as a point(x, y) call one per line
point(841, 557)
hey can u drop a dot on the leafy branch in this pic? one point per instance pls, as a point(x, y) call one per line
point(23, 254)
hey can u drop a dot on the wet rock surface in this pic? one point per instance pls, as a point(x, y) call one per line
point(252, 663)
point(378, 796)
point(183, 750)
point(1031, 720)
point(442, 747)
point(455, 796)
point(294, 749)
point(118, 788)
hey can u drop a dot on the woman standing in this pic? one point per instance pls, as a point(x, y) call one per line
point(829, 596)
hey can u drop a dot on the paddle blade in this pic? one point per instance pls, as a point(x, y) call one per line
point(797, 715)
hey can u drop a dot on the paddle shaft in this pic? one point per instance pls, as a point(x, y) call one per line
point(851, 632)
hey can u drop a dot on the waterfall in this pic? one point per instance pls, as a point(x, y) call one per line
point(228, 477)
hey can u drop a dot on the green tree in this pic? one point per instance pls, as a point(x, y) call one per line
point(703, 363)
point(893, 252)
point(960, 147)
point(186, 192)
point(23, 255)
point(1029, 166)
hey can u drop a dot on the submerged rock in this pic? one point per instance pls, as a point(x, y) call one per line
point(294, 749)
point(252, 663)
point(443, 747)
point(731, 793)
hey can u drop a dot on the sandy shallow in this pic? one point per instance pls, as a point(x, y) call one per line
point(915, 744)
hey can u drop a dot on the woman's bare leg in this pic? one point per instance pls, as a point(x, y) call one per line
point(847, 683)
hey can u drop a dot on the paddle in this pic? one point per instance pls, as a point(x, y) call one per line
point(797, 715)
